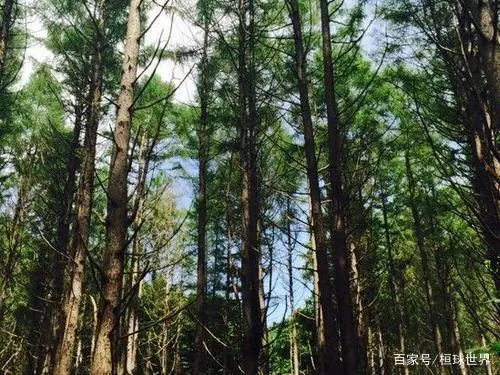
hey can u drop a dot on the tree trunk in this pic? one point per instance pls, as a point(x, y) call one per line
point(294, 348)
point(381, 352)
point(480, 111)
point(448, 307)
point(201, 284)
point(340, 248)
point(250, 246)
point(128, 348)
point(419, 238)
point(15, 237)
point(371, 353)
point(63, 237)
point(329, 359)
point(72, 291)
point(104, 357)
point(165, 337)
point(391, 274)
point(5, 37)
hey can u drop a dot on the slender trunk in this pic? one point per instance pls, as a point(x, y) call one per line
point(340, 248)
point(177, 365)
point(419, 238)
point(5, 29)
point(489, 369)
point(72, 290)
point(105, 351)
point(448, 307)
point(329, 359)
point(371, 353)
point(228, 363)
point(165, 331)
point(14, 239)
point(381, 351)
point(318, 316)
point(201, 284)
point(129, 347)
point(294, 348)
point(250, 247)
point(391, 274)
point(63, 237)
point(264, 354)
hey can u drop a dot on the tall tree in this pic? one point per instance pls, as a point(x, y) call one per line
point(329, 361)
point(104, 357)
point(338, 231)
point(250, 243)
point(72, 294)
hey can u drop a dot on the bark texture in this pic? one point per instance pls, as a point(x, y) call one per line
point(329, 361)
point(338, 231)
point(72, 290)
point(5, 31)
point(253, 328)
point(201, 284)
point(104, 356)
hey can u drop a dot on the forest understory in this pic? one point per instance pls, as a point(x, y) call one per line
point(257, 187)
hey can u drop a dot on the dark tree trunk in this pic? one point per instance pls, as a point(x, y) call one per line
point(129, 346)
point(340, 248)
point(201, 284)
point(329, 361)
point(393, 285)
point(15, 236)
point(5, 30)
point(426, 272)
point(250, 247)
point(294, 348)
point(63, 237)
point(104, 358)
point(478, 98)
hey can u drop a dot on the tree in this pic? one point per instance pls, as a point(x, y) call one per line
point(106, 341)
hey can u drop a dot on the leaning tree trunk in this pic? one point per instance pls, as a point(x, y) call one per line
point(340, 248)
point(104, 356)
point(329, 361)
point(72, 292)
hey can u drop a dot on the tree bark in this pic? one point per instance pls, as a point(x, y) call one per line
point(57, 279)
point(104, 359)
point(294, 348)
point(128, 348)
point(250, 247)
point(15, 235)
point(201, 284)
point(340, 248)
point(419, 238)
point(478, 97)
point(72, 291)
point(329, 359)
point(391, 274)
point(5, 29)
